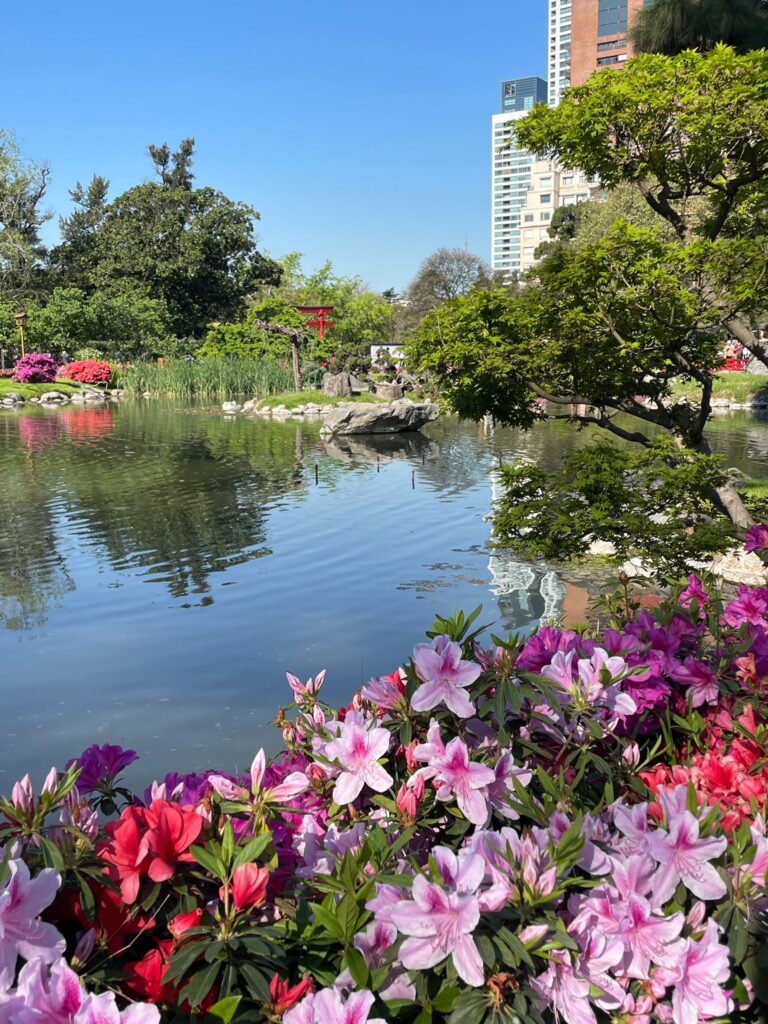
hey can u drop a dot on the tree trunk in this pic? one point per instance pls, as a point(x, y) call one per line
point(726, 496)
point(296, 365)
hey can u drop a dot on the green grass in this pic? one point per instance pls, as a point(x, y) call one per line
point(740, 387)
point(207, 378)
point(66, 387)
point(292, 399)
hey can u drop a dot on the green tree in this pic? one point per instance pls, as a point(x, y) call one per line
point(191, 250)
point(23, 185)
point(604, 328)
point(443, 275)
point(671, 26)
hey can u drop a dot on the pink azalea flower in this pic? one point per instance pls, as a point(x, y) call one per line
point(309, 689)
point(502, 789)
point(357, 748)
point(750, 606)
point(700, 680)
point(694, 590)
point(22, 933)
point(329, 1007)
point(697, 980)
point(562, 990)
point(386, 692)
point(444, 677)
point(441, 923)
point(649, 937)
point(293, 785)
point(456, 777)
point(685, 857)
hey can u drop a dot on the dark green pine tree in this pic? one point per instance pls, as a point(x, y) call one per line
point(671, 26)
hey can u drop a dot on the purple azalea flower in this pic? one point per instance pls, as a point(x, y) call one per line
point(540, 648)
point(329, 1007)
point(700, 681)
point(444, 677)
point(100, 766)
point(357, 748)
point(684, 856)
point(22, 933)
point(694, 590)
point(756, 538)
point(750, 606)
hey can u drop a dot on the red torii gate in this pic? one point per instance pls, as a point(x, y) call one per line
point(319, 313)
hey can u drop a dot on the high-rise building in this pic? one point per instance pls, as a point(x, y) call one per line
point(559, 67)
point(512, 170)
point(599, 35)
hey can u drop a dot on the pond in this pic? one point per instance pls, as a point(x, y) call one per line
point(162, 567)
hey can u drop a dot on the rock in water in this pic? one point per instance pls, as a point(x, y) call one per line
point(378, 419)
point(337, 385)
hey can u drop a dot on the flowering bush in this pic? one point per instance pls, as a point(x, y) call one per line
point(35, 368)
point(6, 373)
point(567, 827)
point(87, 371)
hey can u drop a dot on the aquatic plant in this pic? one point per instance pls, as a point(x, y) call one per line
point(207, 378)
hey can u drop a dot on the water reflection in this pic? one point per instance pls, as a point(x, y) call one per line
point(170, 565)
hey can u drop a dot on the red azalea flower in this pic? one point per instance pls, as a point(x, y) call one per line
point(125, 851)
point(248, 886)
point(284, 996)
point(172, 830)
point(146, 976)
point(180, 924)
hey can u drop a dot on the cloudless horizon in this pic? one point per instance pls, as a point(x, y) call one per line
point(360, 133)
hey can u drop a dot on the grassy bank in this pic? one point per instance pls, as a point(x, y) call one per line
point(207, 378)
point(739, 387)
point(293, 399)
point(35, 390)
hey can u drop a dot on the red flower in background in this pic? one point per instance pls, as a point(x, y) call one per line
point(248, 886)
point(86, 371)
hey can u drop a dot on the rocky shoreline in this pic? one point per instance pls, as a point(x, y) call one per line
point(53, 398)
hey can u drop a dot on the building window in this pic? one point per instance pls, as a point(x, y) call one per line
point(611, 17)
point(612, 44)
point(509, 90)
point(545, 198)
point(567, 179)
point(546, 215)
point(602, 61)
point(545, 181)
point(528, 218)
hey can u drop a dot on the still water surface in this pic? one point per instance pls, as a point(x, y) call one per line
point(162, 567)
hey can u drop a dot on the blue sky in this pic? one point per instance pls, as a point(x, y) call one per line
point(359, 131)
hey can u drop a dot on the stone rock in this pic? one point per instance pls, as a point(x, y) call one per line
point(78, 397)
point(738, 566)
point(358, 386)
point(250, 405)
point(231, 407)
point(53, 396)
point(95, 396)
point(13, 398)
point(392, 392)
point(337, 385)
point(378, 419)
point(720, 403)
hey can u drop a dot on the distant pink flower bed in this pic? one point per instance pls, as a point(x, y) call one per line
point(35, 368)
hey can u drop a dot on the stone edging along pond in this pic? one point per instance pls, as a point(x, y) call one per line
point(54, 397)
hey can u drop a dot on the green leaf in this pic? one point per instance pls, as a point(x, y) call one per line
point(51, 854)
point(328, 921)
point(223, 1011)
point(200, 984)
point(253, 849)
point(211, 862)
point(357, 967)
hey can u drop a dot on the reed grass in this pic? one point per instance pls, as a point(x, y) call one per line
point(207, 378)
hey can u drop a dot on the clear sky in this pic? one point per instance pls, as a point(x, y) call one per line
point(359, 131)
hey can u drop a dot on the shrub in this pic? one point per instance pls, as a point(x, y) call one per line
point(87, 371)
point(566, 827)
point(87, 352)
point(35, 368)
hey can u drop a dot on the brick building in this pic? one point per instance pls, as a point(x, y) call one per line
point(599, 35)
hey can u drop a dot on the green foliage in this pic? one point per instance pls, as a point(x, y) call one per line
point(23, 185)
point(248, 338)
point(655, 501)
point(214, 377)
point(671, 26)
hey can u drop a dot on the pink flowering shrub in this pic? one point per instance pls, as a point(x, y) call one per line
point(87, 371)
point(565, 827)
point(35, 368)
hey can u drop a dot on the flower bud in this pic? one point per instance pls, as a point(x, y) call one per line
point(84, 948)
point(631, 755)
point(22, 796)
point(51, 781)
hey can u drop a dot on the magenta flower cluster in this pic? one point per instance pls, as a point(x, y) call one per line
point(35, 368)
